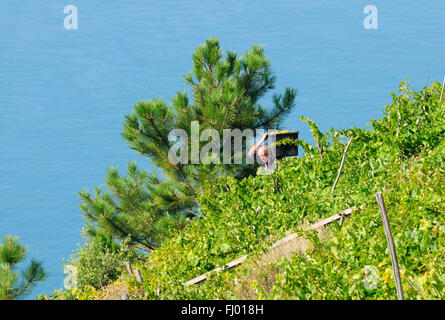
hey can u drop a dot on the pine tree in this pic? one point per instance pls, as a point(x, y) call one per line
point(225, 91)
point(11, 254)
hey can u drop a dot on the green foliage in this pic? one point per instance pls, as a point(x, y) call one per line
point(409, 172)
point(287, 142)
point(225, 91)
point(86, 293)
point(11, 254)
point(97, 264)
point(403, 158)
point(126, 210)
point(412, 121)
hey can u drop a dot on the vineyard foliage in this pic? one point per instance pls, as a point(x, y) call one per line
point(402, 154)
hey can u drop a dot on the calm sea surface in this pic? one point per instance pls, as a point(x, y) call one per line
point(64, 93)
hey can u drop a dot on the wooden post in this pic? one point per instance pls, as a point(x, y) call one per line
point(341, 165)
point(275, 182)
point(128, 267)
point(441, 94)
point(138, 276)
point(392, 251)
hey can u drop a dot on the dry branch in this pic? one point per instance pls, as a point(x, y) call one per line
point(392, 250)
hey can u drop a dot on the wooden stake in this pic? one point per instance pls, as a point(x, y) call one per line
point(341, 164)
point(443, 85)
point(128, 266)
point(275, 182)
point(138, 276)
point(392, 251)
point(399, 124)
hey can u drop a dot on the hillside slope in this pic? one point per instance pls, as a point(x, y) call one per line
point(402, 155)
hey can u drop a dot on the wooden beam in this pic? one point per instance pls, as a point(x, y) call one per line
point(280, 242)
point(128, 266)
point(335, 217)
point(204, 276)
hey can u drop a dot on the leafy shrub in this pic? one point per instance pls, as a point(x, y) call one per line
point(95, 265)
point(98, 265)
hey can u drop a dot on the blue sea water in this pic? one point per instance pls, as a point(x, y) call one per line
point(64, 93)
